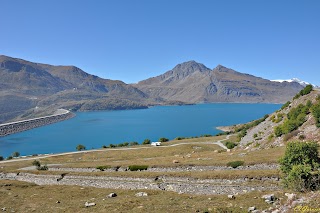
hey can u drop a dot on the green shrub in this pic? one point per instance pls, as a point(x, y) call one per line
point(102, 168)
point(36, 163)
point(306, 90)
point(112, 145)
point(235, 164)
point(180, 138)
point(255, 135)
point(163, 139)
point(15, 154)
point(134, 143)
point(138, 167)
point(146, 141)
point(285, 105)
point(230, 145)
point(300, 165)
point(9, 157)
point(45, 167)
point(104, 146)
point(1, 158)
point(80, 147)
point(270, 137)
point(315, 109)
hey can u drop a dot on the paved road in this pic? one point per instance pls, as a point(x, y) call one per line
point(219, 143)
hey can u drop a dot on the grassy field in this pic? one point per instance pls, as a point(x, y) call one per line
point(26, 197)
point(194, 152)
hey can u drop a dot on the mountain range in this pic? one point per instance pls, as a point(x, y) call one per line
point(29, 89)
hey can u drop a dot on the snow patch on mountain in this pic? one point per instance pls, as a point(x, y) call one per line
point(303, 83)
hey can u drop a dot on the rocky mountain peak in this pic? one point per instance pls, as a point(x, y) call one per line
point(221, 68)
point(190, 67)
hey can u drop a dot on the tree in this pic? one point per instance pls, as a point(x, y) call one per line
point(299, 166)
point(80, 147)
point(15, 154)
point(163, 139)
point(134, 143)
point(1, 158)
point(146, 141)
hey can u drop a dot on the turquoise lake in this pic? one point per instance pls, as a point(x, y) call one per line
point(94, 129)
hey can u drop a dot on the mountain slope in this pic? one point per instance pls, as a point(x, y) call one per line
point(193, 82)
point(50, 87)
point(265, 135)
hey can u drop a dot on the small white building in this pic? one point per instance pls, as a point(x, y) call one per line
point(155, 143)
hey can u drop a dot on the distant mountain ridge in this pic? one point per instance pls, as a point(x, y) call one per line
point(36, 89)
point(303, 83)
point(193, 82)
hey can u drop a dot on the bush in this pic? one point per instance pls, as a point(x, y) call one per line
point(15, 154)
point(299, 165)
point(285, 105)
point(104, 146)
point(306, 90)
point(163, 139)
point(315, 109)
point(112, 145)
point(133, 143)
point(235, 164)
point(230, 145)
point(180, 138)
point(45, 167)
point(1, 158)
point(9, 157)
point(138, 167)
point(146, 141)
point(80, 147)
point(302, 137)
point(36, 163)
point(255, 135)
point(102, 168)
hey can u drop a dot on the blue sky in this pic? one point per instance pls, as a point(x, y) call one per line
point(132, 40)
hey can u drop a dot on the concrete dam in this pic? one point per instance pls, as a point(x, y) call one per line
point(19, 126)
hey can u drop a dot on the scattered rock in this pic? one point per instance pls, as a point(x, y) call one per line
point(141, 194)
point(58, 201)
point(4, 209)
point(175, 161)
point(228, 150)
point(215, 151)
point(290, 196)
point(112, 195)
point(276, 211)
point(252, 208)
point(89, 204)
point(209, 198)
point(231, 197)
point(270, 198)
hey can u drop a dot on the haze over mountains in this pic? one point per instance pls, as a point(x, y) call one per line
point(30, 89)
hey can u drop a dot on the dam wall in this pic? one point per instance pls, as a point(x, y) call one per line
point(19, 126)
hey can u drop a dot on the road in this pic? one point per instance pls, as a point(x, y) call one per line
point(219, 143)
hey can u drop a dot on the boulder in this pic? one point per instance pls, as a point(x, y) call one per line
point(251, 209)
point(270, 198)
point(89, 204)
point(175, 161)
point(141, 194)
point(231, 197)
point(112, 195)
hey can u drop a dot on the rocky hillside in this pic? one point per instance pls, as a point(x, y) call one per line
point(32, 88)
point(193, 82)
point(296, 120)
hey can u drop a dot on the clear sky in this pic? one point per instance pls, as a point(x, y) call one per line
point(132, 40)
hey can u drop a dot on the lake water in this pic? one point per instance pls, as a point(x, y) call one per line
point(94, 129)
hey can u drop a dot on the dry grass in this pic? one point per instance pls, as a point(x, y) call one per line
point(26, 197)
point(187, 154)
